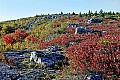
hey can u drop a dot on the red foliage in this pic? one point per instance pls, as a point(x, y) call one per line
point(15, 37)
point(70, 30)
point(90, 53)
point(8, 39)
point(32, 39)
point(56, 25)
point(19, 35)
point(43, 45)
point(80, 19)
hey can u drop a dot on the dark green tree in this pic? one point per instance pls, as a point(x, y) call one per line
point(73, 13)
point(89, 13)
point(80, 15)
point(86, 14)
point(113, 13)
point(95, 13)
point(110, 13)
point(101, 11)
point(117, 13)
point(61, 12)
point(103, 15)
point(0, 27)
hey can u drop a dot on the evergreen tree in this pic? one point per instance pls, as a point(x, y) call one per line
point(0, 28)
point(113, 13)
point(103, 15)
point(89, 13)
point(86, 14)
point(110, 13)
point(73, 13)
point(95, 13)
point(61, 12)
point(80, 15)
point(101, 11)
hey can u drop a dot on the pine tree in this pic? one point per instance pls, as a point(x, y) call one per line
point(80, 15)
point(110, 13)
point(89, 13)
point(103, 15)
point(113, 13)
point(61, 12)
point(86, 14)
point(95, 13)
point(73, 13)
point(101, 11)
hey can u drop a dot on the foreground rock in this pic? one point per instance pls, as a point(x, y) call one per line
point(36, 74)
point(21, 68)
point(6, 73)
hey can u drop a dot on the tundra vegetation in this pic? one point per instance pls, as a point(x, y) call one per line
point(86, 52)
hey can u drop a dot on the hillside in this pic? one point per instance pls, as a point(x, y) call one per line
point(92, 48)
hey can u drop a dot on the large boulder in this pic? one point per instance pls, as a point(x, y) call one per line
point(14, 57)
point(53, 48)
point(93, 76)
point(47, 59)
point(95, 20)
point(72, 25)
point(81, 30)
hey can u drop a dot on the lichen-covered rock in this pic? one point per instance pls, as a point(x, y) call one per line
point(36, 74)
point(6, 73)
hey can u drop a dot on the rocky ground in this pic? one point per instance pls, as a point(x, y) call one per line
point(19, 67)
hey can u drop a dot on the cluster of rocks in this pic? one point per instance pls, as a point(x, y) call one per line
point(6, 73)
point(53, 16)
point(95, 20)
point(15, 57)
point(48, 59)
point(36, 74)
point(18, 64)
point(29, 25)
point(93, 76)
point(53, 48)
point(81, 30)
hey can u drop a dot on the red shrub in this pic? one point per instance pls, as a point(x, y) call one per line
point(8, 39)
point(70, 30)
point(93, 55)
point(32, 39)
point(15, 37)
point(19, 35)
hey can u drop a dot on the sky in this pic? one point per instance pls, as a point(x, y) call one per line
point(15, 9)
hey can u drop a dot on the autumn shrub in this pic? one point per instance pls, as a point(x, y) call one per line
point(89, 57)
point(8, 39)
point(56, 25)
point(70, 30)
point(32, 39)
point(17, 36)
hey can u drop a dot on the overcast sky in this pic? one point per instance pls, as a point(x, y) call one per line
point(14, 9)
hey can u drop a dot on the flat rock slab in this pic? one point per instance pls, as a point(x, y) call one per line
point(6, 73)
point(36, 74)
